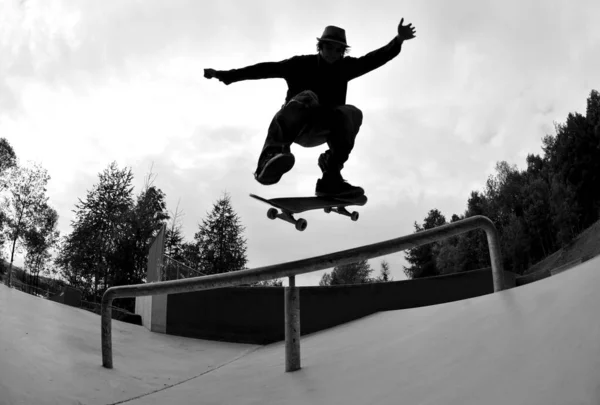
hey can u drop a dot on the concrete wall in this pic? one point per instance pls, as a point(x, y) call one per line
point(159, 314)
point(153, 309)
point(68, 296)
point(256, 314)
point(143, 307)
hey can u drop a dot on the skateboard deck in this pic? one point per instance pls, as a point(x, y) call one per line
point(295, 205)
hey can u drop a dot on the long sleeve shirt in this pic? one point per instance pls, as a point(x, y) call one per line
point(311, 72)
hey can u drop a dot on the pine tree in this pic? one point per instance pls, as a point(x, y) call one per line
point(385, 274)
point(353, 273)
point(220, 244)
point(174, 236)
point(143, 223)
point(423, 258)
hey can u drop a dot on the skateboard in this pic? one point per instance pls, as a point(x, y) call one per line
point(295, 205)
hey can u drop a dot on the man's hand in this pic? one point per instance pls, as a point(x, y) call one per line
point(405, 32)
point(210, 73)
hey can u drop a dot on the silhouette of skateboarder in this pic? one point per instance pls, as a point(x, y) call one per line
point(315, 110)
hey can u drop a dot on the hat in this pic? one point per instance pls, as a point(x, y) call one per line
point(334, 34)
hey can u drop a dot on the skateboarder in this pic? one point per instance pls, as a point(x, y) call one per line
point(315, 110)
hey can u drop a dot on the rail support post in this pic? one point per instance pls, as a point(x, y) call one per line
point(495, 255)
point(106, 315)
point(292, 326)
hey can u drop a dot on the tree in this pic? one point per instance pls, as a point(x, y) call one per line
point(573, 159)
point(566, 214)
point(423, 258)
point(269, 283)
point(353, 273)
point(385, 274)
point(103, 221)
point(592, 113)
point(112, 233)
point(39, 240)
point(8, 158)
point(503, 194)
point(535, 211)
point(451, 256)
point(516, 246)
point(190, 255)
point(174, 236)
point(76, 260)
point(23, 204)
point(221, 246)
point(505, 201)
point(143, 223)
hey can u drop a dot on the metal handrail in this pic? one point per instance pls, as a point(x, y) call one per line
point(291, 269)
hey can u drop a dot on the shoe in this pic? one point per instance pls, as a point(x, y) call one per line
point(333, 185)
point(272, 166)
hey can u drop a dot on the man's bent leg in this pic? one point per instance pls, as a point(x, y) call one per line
point(344, 127)
point(345, 124)
point(276, 158)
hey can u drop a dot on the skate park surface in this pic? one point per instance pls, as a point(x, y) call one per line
point(534, 344)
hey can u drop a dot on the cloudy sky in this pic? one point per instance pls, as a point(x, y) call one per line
point(85, 83)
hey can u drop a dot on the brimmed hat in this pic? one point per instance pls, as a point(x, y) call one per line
point(334, 34)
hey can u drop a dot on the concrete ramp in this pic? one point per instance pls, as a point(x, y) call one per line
point(535, 344)
point(50, 353)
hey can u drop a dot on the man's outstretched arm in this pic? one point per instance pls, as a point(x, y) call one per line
point(379, 57)
point(265, 70)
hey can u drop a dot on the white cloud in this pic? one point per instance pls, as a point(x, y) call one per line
point(86, 83)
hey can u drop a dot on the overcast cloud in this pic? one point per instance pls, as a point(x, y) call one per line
point(86, 83)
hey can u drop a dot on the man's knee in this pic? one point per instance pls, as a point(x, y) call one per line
point(351, 117)
point(357, 116)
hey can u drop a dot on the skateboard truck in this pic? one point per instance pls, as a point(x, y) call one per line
point(342, 211)
point(300, 223)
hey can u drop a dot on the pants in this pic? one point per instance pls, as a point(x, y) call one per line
point(305, 122)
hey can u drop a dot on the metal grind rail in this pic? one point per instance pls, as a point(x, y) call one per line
point(291, 269)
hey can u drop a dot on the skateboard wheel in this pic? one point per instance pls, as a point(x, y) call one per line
point(272, 213)
point(301, 224)
point(354, 216)
point(327, 210)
